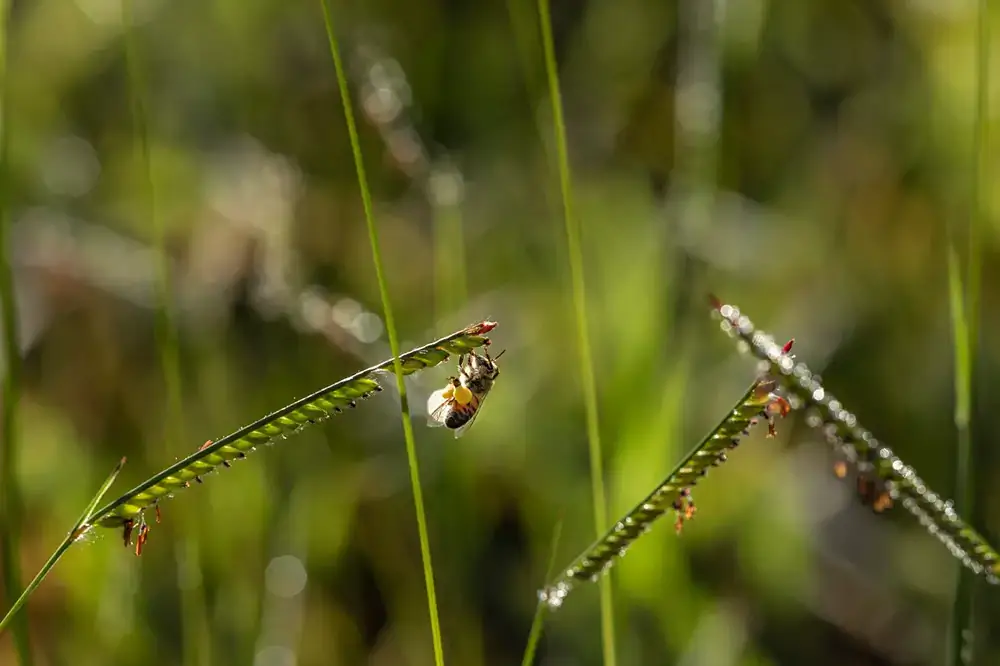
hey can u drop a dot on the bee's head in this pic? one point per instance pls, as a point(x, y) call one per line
point(494, 368)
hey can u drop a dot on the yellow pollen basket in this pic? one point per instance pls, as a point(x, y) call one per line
point(462, 395)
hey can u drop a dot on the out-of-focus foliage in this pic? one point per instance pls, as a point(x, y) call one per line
point(838, 133)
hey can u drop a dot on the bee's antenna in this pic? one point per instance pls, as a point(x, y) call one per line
point(497, 357)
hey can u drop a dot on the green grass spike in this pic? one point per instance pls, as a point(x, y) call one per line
point(289, 420)
point(672, 493)
point(877, 466)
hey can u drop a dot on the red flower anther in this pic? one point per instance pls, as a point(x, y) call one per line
point(141, 540)
point(788, 346)
point(158, 517)
point(776, 406)
point(882, 502)
point(481, 327)
point(684, 508)
point(127, 531)
point(690, 510)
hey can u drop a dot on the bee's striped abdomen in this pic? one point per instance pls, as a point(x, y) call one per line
point(459, 415)
point(456, 419)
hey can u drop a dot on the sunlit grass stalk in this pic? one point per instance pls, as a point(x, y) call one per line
point(280, 424)
point(964, 305)
point(193, 624)
point(390, 326)
point(291, 419)
point(673, 493)
point(883, 478)
point(71, 537)
point(580, 307)
point(535, 635)
point(10, 485)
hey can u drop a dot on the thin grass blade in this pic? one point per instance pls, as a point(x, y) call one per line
point(672, 493)
point(192, 621)
point(390, 326)
point(86, 516)
point(535, 635)
point(72, 536)
point(580, 306)
point(965, 306)
point(10, 487)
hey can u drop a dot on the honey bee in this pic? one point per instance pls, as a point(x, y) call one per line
point(457, 404)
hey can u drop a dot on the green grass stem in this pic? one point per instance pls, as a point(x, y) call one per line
point(580, 307)
point(964, 297)
point(535, 635)
point(10, 485)
point(193, 625)
point(79, 528)
point(390, 325)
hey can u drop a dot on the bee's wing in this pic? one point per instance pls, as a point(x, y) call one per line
point(437, 408)
point(461, 431)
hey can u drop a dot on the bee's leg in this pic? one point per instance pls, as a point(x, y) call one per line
point(454, 381)
point(463, 367)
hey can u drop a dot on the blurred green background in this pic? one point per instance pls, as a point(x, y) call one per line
point(799, 159)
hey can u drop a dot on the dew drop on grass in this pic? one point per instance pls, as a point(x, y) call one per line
point(553, 597)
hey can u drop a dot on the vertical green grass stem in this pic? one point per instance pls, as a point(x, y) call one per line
point(580, 306)
point(195, 631)
point(10, 487)
point(390, 325)
point(964, 302)
point(535, 635)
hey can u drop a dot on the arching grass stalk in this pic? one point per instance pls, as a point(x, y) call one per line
point(128, 511)
point(193, 620)
point(77, 531)
point(276, 426)
point(881, 477)
point(10, 486)
point(538, 620)
point(580, 306)
point(672, 493)
point(965, 339)
point(390, 326)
